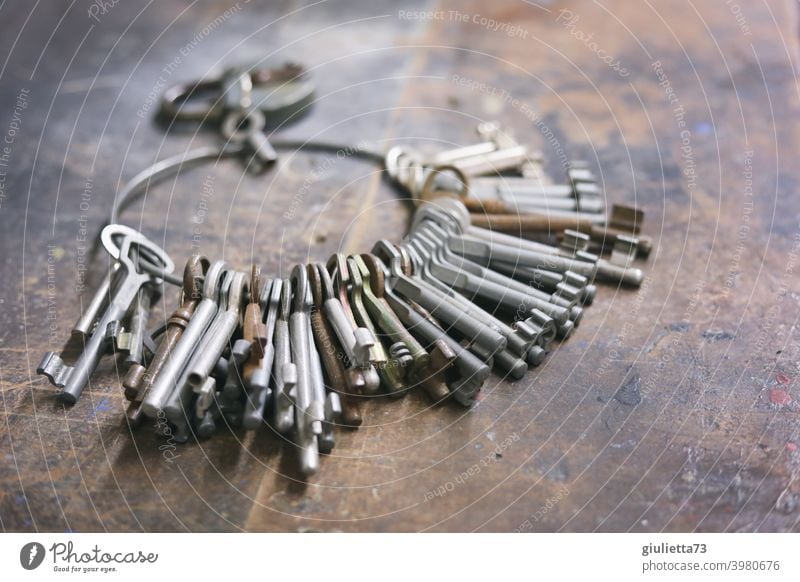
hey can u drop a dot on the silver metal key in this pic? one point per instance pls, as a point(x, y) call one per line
point(309, 410)
point(284, 370)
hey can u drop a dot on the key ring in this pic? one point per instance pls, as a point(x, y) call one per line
point(437, 310)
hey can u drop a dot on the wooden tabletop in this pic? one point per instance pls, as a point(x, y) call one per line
point(672, 408)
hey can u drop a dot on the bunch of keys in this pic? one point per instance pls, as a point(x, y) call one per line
point(438, 311)
point(459, 297)
point(116, 318)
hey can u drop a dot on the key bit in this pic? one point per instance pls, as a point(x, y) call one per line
point(432, 377)
point(626, 218)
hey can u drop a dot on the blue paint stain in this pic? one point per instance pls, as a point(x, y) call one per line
point(102, 406)
point(20, 499)
point(703, 128)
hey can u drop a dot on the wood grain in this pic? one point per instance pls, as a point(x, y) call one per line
point(670, 409)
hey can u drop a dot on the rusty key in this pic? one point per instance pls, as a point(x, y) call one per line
point(258, 365)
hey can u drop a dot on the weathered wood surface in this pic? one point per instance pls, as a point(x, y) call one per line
point(671, 409)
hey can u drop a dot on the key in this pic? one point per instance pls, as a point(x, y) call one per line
point(344, 287)
point(164, 383)
point(450, 156)
point(534, 222)
point(409, 358)
point(177, 405)
point(310, 410)
point(501, 199)
point(243, 101)
point(133, 340)
point(139, 379)
point(545, 214)
point(284, 369)
point(261, 355)
point(603, 269)
point(119, 241)
point(347, 382)
point(482, 251)
point(332, 410)
point(497, 161)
